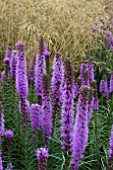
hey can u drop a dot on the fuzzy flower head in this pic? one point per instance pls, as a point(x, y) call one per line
point(80, 137)
point(111, 144)
point(102, 86)
point(9, 134)
point(13, 63)
point(21, 72)
point(77, 87)
point(35, 117)
point(111, 84)
point(46, 52)
point(8, 54)
point(3, 77)
point(42, 153)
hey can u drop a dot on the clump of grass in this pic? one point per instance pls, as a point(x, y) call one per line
point(65, 25)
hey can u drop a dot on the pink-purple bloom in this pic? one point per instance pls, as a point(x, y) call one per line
point(95, 97)
point(46, 52)
point(3, 77)
point(84, 74)
point(77, 88)
point(80, 137)
point(46, 109)
point(8, 54)
point(102, 86)
point(13, 63)
point(111, 84)
point(110, 154)
point(67, 107)
point(35, 116)
point(21, 72)
point(9, 134)
point(40, 68)
point(57, 80)
point(42, 155)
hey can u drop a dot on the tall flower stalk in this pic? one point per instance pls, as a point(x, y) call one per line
point(80, 137)
point(46, 110)
point(22, 81)
point(42, 155)
point(13, 63)
point(67, 111)
point(40, 69)
point(57, 84)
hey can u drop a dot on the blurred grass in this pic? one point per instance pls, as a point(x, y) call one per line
point(66, 25)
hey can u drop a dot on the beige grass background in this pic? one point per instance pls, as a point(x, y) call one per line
point(65, 24)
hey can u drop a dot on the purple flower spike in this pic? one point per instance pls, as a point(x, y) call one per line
point(90, 104)
point(111, 84)
point(42, 155)
point(31, 73)
point(13, 63)
point(110, 154)
point(1, 124)
point(77, 88)
point(9, 134)
point(46, 52)
point(3, 77)
point(35, 117)
point(8, 55)
point(84, 74)
point(95, 97)
point(67, 107)
point(21, 72)
point(40, 69)
point(102, 86)
point(81, 128)
point(90, 69)
point(1, 167)
point(106, 90)
point(57, 80)
point(46, 109)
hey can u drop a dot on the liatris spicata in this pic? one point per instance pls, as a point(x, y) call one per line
point(106, 90)
point(110, 153)
point(35, 116)
point(3, 77)
point(95, 97)
point(24, 108)
point(80, 137)
point(77, 88)
point(21, 72)
point(40, 69)
point(13, 63)
point(46, 109)
point(90, 104)
point(31, 73)
point(42, 155)
point(90, 66)
point(9, 134)
point(102, 86)
point(84, 74)
point(57, 83)
point(111, 145)
point(8, 55)
point(47, 56)
point(67, 108)
point(111, 84)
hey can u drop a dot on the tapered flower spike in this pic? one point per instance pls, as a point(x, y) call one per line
point(106, 90)
point(35, 116)
point(80, 137)
point(77, 88)
point(90, 69)
point(3, 77)
point(84, 75)
point(13, 63)
point(95, 97)
point(42, 155)
point(8, 55)
point(40, 68)
point(67, 107)
point(110, 155)
point(102, 86)
point(46, 110)
point(31, 73)
point(21, 72)
point(9, 134)
point(111, 84)
point(57, 84)
point(90, 104)
point(24, 108)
